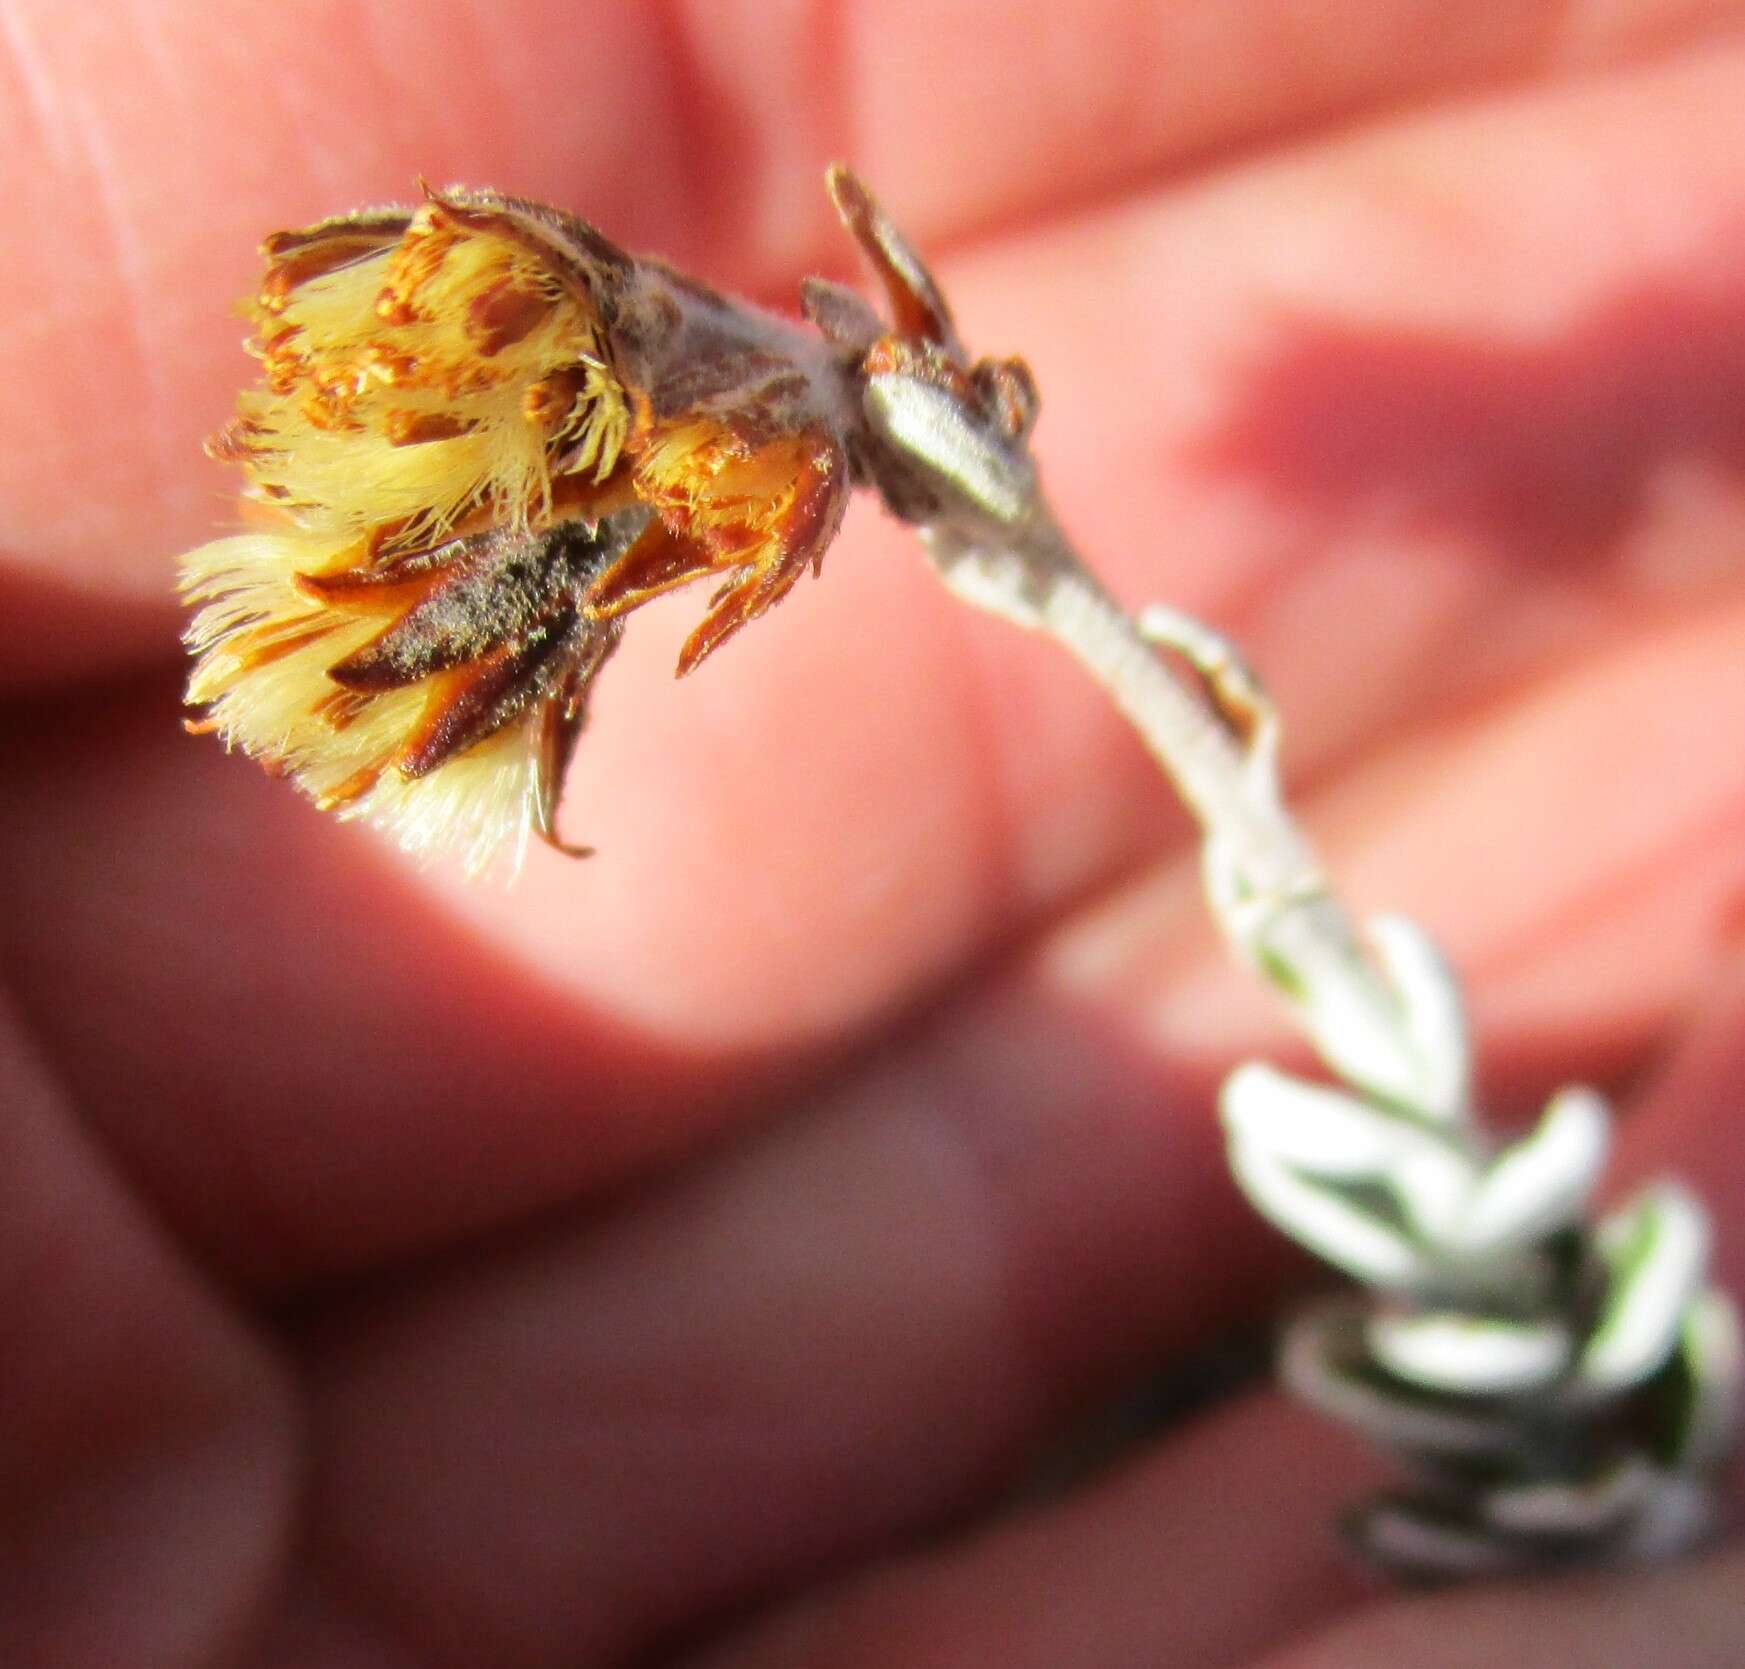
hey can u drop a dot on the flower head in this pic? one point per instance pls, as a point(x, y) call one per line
point(484, 434)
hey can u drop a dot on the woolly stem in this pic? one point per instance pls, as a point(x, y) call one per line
point(1567, 1392)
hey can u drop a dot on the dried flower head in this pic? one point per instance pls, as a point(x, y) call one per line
point(484, 435)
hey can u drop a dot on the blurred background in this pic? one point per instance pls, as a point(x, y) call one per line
point(1402, 342)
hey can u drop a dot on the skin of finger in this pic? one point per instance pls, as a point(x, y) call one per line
point(148, 1446)
point(1357, 620)
point(1164, 84)
point(1589, 959)
point(1204, 1550)
point(834, 1332)
point(865, 1376)
point(308, 1066)
point(1683, 1618)
point(414, 1501)
point(1576, 963)
point(1211, 1549)
point(690, 128)
point(1618, 824)
point(1103, 1559)
point(1390, 399)
point(1135, 1580)
point(919, 818)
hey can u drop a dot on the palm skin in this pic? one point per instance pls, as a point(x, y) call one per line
point(672, 1258)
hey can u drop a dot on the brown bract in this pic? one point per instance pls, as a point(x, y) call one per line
point(483, 436)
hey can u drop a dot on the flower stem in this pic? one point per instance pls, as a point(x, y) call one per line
point(1568, 1391)
point(1271, 896)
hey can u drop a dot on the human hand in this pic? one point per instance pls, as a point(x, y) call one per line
point(688, 1245)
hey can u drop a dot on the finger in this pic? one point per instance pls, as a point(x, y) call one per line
point(146, 1453)
point(696, 130)
point(1576, 853)
point(306, 1064)
point(1685, 1618)
point(822, 1344)
point(1087, 99)
point(1207, 1550)
point(939, 783)
point(1390, 451)
point(1215, 1546)
point(304, 968)
point(297, 1059)
point(1228, 1584)
point(850, 1326)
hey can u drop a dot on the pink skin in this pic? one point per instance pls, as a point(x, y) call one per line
point(692, 1243)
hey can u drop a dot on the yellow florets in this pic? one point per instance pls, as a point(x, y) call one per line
point(426, 379)
point(483, 435)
